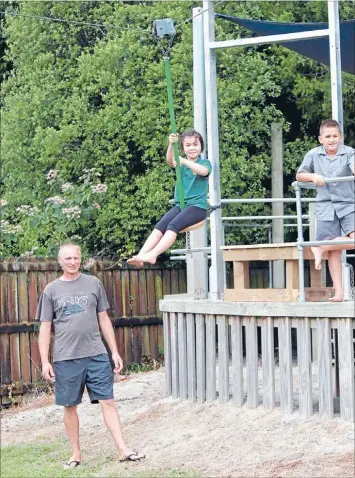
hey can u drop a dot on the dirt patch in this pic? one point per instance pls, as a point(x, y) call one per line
point(216, 440)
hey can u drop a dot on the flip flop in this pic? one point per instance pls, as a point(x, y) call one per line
point(134, 456)
point(71, 464)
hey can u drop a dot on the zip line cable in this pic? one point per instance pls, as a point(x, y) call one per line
point(76, 22)
point(101, 25)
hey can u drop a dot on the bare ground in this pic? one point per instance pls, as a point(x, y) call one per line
point(214, 440)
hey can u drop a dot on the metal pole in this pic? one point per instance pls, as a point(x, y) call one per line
point(197, 264)
point(217, 263)
point(335, 61)
point(277, 207)
point(302, 296)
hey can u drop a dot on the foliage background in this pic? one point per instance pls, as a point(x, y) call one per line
point(78, 96)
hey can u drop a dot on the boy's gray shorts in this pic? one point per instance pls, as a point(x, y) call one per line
point(71, 376)
point(328, 230)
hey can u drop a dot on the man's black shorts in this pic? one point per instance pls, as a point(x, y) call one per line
point(71, 376)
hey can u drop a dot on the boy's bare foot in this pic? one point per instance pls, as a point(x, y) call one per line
point(317, 257)
point(135, 261)
point(148, 257)
point(338, 296)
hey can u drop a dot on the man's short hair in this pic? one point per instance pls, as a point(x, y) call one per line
point(329, 123)
point(68, 244)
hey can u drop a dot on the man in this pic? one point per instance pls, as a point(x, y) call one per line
point(76, 305)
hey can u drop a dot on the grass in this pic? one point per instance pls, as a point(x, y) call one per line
point(46, 461)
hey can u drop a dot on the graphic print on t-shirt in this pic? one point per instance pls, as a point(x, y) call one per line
point(72, 305)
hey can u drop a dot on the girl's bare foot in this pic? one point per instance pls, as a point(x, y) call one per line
point(148, 257)
point(135, 261)
point(338, 296)
point(317, 257)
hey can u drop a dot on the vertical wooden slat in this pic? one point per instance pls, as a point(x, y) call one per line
point(191, 357)
point(174, 281)
point(42, 281)
point(325, 368)
point(13, 319)
point(117, 293)
point(134, 293)
point(107, 283)
point(32, 295)
point(167, 352)
point(252, 361)
point(223, 358)
point(166, 282)
point(182, 345)
point(346, 368)
point(142, 283)
point(35, 357)
point(152, 311)
point(128, 345)
point(5, 358)
point(285, 364)
point(153, 332)
point(200, 358)
point(145, 340)
point(3, 298)
point(237, 360)
point(174, 355)
point(211, 357)
point(268, 362)
point(137, 344)
point(182, 281)
point(126, 303)
point(158, 290)
point(119, 333)
point(304, 356)
point(25, 357)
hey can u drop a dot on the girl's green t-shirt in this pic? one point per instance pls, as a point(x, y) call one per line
point(195, 187)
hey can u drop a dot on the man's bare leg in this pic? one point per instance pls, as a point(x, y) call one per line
point(163, 245)
point(335, 268)
point(153, 239)
point(71, 423)
point(113, 423)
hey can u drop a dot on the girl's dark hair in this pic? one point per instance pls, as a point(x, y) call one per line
point(191, 132)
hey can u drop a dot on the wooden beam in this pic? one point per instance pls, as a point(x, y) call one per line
point(241, 275)
point(292, 275)
point(261, 295)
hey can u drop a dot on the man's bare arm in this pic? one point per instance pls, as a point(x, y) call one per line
point(109, 335)
point(44, 341)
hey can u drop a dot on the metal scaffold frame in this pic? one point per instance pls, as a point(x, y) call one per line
point(209, 85)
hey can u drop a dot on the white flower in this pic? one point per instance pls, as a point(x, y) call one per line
point(55, 200)
point(67, 186)
point(7, 228)
point(52, 174)
point(72, 212)
point(89, 263)
point(99, 188)
point(3, 202)
point(27, 210)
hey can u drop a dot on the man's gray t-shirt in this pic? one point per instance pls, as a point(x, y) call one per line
point(72, 306)
point(333, 198)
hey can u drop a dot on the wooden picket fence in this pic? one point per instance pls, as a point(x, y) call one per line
point(133, 296)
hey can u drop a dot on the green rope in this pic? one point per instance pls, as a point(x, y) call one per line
point(173, 130)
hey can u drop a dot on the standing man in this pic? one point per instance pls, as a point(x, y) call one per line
point(76, 305)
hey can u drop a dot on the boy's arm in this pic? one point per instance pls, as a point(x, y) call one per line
point(305, 174)
point(317, 179)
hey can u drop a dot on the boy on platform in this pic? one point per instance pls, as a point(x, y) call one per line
point(335, 207)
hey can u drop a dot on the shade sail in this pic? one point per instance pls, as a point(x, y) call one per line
point(316, 48)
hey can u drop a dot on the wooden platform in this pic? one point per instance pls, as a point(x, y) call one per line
point(242, 255)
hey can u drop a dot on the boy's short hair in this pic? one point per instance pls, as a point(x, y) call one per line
point(191, 132)
point(329, 123)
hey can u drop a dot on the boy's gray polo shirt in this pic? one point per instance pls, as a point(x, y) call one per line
point(332, 198)
point(72, 307)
